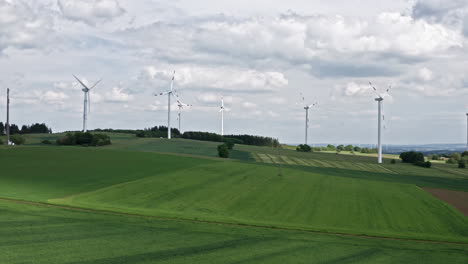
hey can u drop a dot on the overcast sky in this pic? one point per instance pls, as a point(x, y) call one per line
point(260, 55)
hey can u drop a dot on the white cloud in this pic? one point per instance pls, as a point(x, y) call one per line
point(425, 74)
point(23, 25)
point(90, 11)
point(117, 95)
point(221, 78)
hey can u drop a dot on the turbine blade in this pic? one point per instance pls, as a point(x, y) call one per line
point(80, 82)
point(94, 85)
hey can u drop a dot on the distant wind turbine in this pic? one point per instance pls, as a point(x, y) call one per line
point(307, 107)
point(181, 106)
point(86, 102)
point(169, 94)
point(379, 99)
point(221, 110)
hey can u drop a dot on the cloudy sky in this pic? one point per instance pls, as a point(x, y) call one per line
point(260, 55)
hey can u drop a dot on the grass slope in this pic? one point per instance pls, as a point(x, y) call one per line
point(30, 234)
point(41, 173)
point(245, 193)
point(184, 187)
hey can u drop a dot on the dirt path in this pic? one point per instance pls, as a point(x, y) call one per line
point(457, 199)
point(41, 204)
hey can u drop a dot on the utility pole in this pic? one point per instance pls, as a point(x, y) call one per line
point(306, 123)
point(8, 117)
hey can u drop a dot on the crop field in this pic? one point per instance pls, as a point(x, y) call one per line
point(35, 234)
point(190, 206)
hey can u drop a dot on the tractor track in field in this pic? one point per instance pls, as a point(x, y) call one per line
point(109, 212)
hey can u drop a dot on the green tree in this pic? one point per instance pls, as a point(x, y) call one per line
point(17, 139)
point(348, 148)
point(223, 151)
point(455, 156)
point(330, 147)
point(340, 147)
point(435, 157)
point(462, 164)
point(357, 149)
point(303, 148)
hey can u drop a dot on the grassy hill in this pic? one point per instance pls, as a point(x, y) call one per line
point(42, 235)
point(183, 180)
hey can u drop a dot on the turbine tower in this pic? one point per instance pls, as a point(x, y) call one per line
point(307, 107)
point(466, 131)
point(379, 100)
point(181, 106)
point(169, 94)
point(86, 101)
point(221, 110)
point(7, 125)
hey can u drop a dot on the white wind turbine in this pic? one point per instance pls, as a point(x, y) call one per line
point(307, 107)
point(169, 94)
point(181, 106)
point(379, 99)
point(87, 101)
point(221, 110)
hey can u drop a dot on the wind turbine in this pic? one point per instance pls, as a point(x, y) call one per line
point(169, 94)
point(307, 107)
point(221, 110)
point(181, 106)
point(379, 100)
point(466, 131)
point(86, 102)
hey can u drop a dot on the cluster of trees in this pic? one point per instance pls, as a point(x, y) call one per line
point(303, 148)
point(458, 158)
point(416, 158)
point(157, 132)
point(83, 139)
point(223, 149)
point(32, 129)
point(236, 139)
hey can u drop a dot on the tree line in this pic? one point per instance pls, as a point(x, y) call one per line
point(37, 128)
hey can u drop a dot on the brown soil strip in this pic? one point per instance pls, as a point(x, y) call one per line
point(457, 199)
point(42, 204)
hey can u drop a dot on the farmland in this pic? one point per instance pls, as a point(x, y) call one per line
point(174, 201)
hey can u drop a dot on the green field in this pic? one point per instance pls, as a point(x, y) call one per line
point(31, 234)
point(321, 192)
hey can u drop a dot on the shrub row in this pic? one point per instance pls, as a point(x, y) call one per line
point(84, 139)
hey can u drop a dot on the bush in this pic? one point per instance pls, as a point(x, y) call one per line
point(17, 139)
point(393, 161)
point(412, 157)
point(465, 154)
point(84, 139)
point(223, 151)
point(46, 142)
point(1, 141)
point(423, 164)
point(461, 164)
point(100, 140)
point(451, 161)
point(303, 148)
point(229, 143)
point(67, 140)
